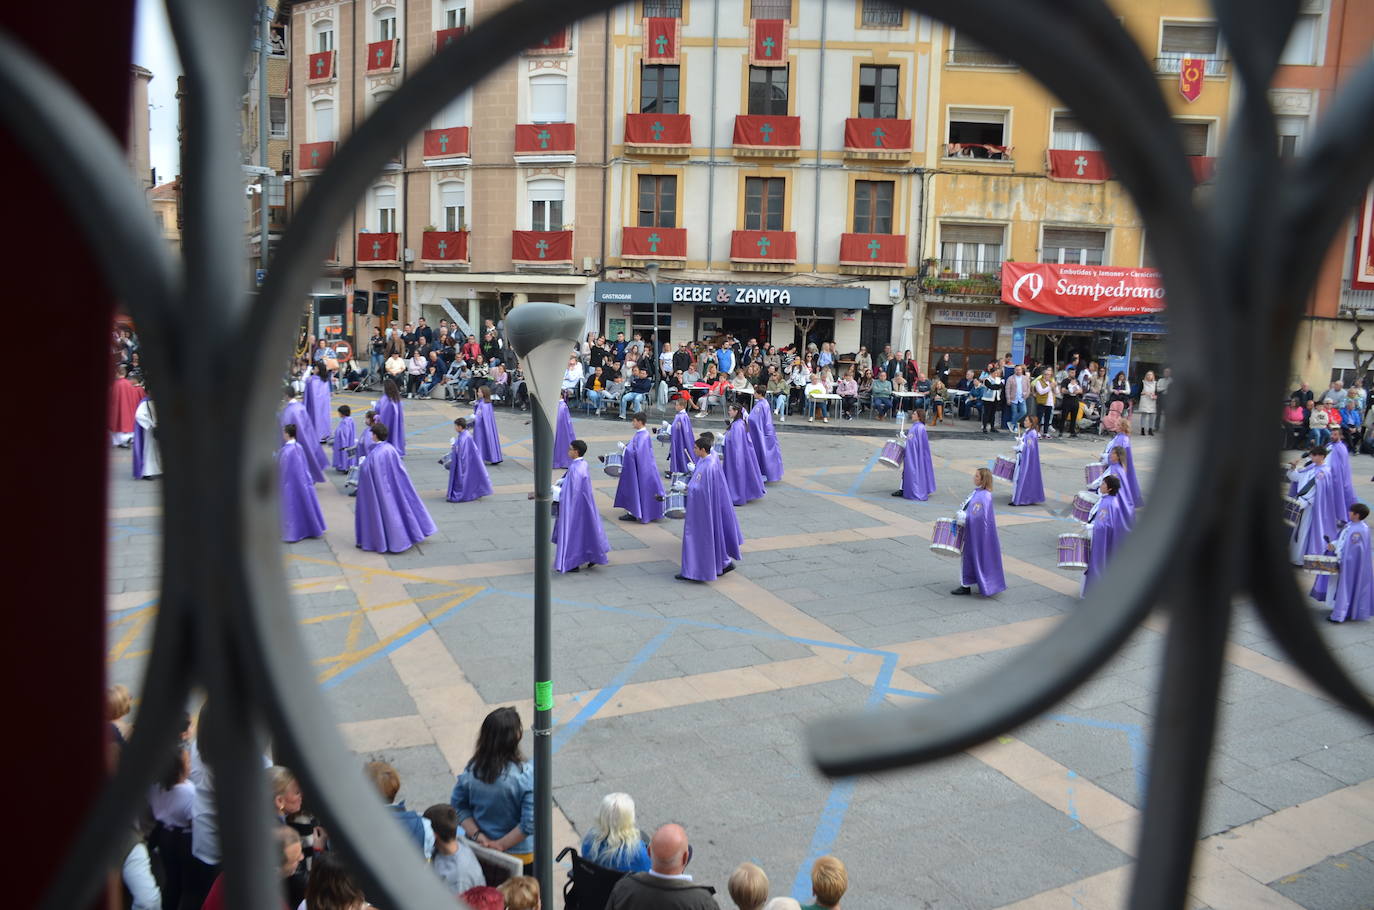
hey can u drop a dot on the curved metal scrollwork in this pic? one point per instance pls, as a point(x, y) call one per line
point(1236, 267)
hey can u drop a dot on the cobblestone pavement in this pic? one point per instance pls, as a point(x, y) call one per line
point(692, 697)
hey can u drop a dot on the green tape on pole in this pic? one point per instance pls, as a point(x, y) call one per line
point(543, 696)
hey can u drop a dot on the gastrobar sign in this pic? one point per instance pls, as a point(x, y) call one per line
point(1082, 290)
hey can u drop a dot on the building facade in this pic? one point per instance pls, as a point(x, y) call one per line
point(272, 151)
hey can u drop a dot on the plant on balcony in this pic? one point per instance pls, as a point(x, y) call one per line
point(428, 228)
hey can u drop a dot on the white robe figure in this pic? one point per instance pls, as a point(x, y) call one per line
point(146, 418)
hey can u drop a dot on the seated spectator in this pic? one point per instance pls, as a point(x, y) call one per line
point(483, 898)
point(637, 393)
point(499, 380)
point(936, 402)
point(1294, 424)
point(815, 389)
point(921, 387)
point(881, 392)
point(748, 887)
point(829, 881)
point(416, 367)
point(614, 841)
point(454, 862)
point(666, 886)
point(118, 704)
point(777, 392)
point(288, 806)
point(494, 794)
point(595, 388)
point(396, 367)
point(520, 893)
point(431, 379)
point(388, 784)
point(1318, 421)
point(1352, 422)
point(714, 396)
point(573, 375)
point(331, 886)
point(848, 390)
point(455, 381)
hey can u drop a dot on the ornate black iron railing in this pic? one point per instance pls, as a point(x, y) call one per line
point(1237, 267)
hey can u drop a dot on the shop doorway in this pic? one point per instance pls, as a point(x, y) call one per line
point(970, 348)
point(1148, 352)
point(875, 332)
point(813, 327)
point(1041, 345)
point(743, 322)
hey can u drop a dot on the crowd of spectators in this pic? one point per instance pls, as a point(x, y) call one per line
point(1308, 419)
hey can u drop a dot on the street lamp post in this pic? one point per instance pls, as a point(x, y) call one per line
point(541, 334)
point(652, 269)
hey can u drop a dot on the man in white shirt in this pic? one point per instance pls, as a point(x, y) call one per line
point(572, 377)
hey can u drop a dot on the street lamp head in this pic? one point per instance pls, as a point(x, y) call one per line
point(542, 334)
point(651, 269)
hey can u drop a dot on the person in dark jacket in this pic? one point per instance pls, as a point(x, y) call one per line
point(666, 886)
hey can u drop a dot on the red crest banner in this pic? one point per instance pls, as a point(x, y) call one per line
point(450, 143)
point(444, 246)
point(884, 250)
point(768, 42)
point(658, 129)
point(321, 66)
point(661, 40)
point(541, 247)
point(446, 36)
point(763, 246)
point(867, 134)
point(381, 56)
point(760, 131)
point(377, 247)
point(1191, 70)
point(653, 243)
point(545, 138)
point(1082, 290)
point(1078, 167)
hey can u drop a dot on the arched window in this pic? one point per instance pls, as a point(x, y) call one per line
point(384, 23)
point(322, 113)
point(384, 208)
point(453, 205)
point(549, 98)
point(546, 204)
point(323, 32)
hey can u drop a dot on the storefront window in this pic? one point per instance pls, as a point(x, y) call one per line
point(969, 348)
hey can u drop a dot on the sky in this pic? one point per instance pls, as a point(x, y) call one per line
point(154, 50)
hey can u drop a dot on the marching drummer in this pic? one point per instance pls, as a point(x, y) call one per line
point(680, 440)
point(578, 537)
point(467, 475)
point(640, 489)
point(1116, 466)
point(1027, 487)
point(918, 469)
point(1108, 526)
point(1350, 594)
point(982, 554)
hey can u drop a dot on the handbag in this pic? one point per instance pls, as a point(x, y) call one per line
point(331, 364)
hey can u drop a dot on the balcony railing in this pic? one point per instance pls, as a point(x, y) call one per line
point(1172, 63)
point(969, 56)
point(982, 150)
point(1356, 299)
point(770, 9)
point(963, 277)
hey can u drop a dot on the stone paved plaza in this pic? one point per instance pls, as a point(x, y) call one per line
point(693, 698)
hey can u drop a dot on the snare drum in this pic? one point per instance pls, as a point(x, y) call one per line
point(1074, 551)
point(1092, 474)
point(665, 433)
point(613, 463)
point(1004, 467)
point(1322, 565)
point(677, 482)
point(675, 504)
point(351, 481)
point(1292, 511)
point(557, 495)
point(948, 539)
point(892, 455)
point(1083, 502)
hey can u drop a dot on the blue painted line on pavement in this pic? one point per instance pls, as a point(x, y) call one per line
point(116, 615)
point(858, 481)
point(565, 732)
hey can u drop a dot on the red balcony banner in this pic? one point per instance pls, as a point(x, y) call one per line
point(868, 134)
point(1362, 278)
point(1190, 75)
point(446, 36)
point(444, 246)
point(556, 43)
point(653, 243)
point(767, 42)
point(381, 56)
point(313, 156)
point(1204, 167)
point(1078, 167)
point(545, 138)
point(763, 246)
point(658, 129)
point(378, 247)
point(541, 247)
point(320, 66)
point(1082, 290)
point(884, 250)
point(450, 143)
point(661, 40)
point(759, 131)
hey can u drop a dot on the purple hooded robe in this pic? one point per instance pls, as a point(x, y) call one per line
point(393, 416)
point(1109, 528)
point(918, 470)
point(1339, 461)
point(345, 438)
point(742, 471)
point(388, 516)
point(1352, 596)
point(467, 476)
point(680, 445)
point(711, 537)
point(563, 436)
point(1027, 486)
point(485, 432)
point(640, 485)
point(306, 437)
point(300, 507)
point(982, 557)
point(1320, 519)
point(578, 536)
point(765, 440)
point(1127, 504)
point(317, 394)
point(1131, 485)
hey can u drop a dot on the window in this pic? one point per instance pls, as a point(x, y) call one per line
point(1291, 131)
point(878, 91)
point(453, 205)
point(978, 133)
point(323, 111)
point(964, 50)
point(657, 201)
point(1197, 40)
point(764, 198)
point(970, 249)
point(768, 90)
point(276, 118)
point(324, 36)
point(548, 99)
point(1196, 136)
point(1069, 246)
point(770, 9)
point(873, 206)
point(663, 9)
point(881, 14)
point(456, 113)
point(1071, 135)
point(279, 42)
point(386, 23)
point(546, 204)
point(658, 87)
point(455, 14)
point(384, 209)
point(1301, 49)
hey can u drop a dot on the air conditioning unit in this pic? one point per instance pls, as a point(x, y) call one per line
point(409, 254)
point(894, 290)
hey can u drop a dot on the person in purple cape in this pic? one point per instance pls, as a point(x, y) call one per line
point(317, 392)
point(1338, 460)
point(562, 436)
point(392, 415)
point(365, 441)
point(578, 537)
point(388, 516)
point(1123, 439)
point(680, 445)
point(147, 453)
point(711, 537)
point(742, 471)
point(918, 470)
point(467, 476)
point(1322, 512)
point(1108, 525)
point(306, 437)
point(484, 428)
point(1116, 466)
point(982, 556)
point(300, 507)
point(1027, 486)
point(1352, 595)
point(640, 490)
point(764, 437)
point(345, 441)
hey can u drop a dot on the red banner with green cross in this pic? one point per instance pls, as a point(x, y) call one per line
point(653, 243)
point(381, 56)
point(541, 247)
point(320, 67)
point(545, 138)
point(378, 247)
point(763, 246)
point(869, 134)
point(444, 246)
point(764, 131)
point(658, 129)
point(767, 42)
point(450, 143)
point(661, 40)
point(313, 156)
point(884, 250)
